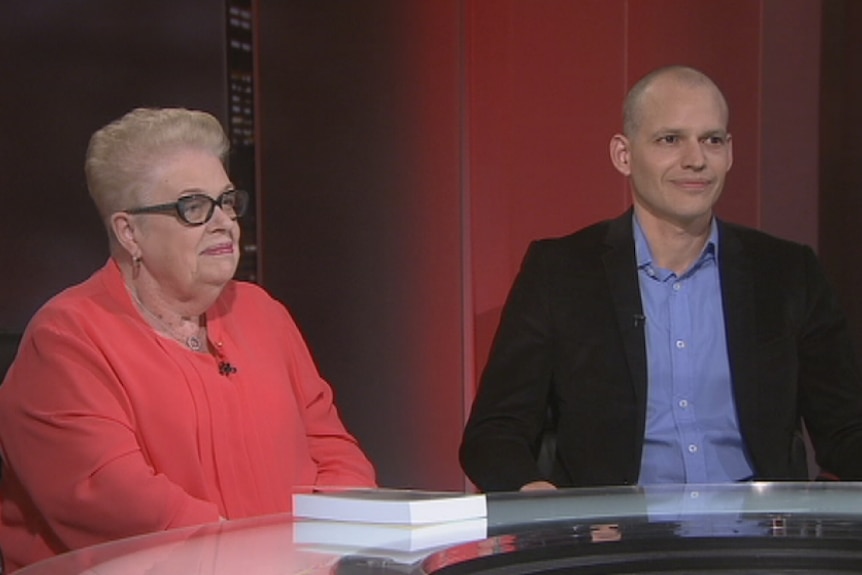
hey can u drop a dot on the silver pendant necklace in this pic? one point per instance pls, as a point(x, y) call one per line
point(194, 342)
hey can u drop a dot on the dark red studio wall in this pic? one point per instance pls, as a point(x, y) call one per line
point(722, 39)
point(543, 84)
point(791, 119)
point(410, 151)
point(764, 54)
point(361, 215)
point(546, 79)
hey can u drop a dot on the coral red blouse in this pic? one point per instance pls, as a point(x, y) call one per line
point(109, 429)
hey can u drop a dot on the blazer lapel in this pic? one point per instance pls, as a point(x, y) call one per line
point(621, 271)
point(737, 294)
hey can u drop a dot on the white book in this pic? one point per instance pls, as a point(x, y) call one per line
point(352, 537)
point(407, 507)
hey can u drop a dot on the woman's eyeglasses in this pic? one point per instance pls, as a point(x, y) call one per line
point(198, 209)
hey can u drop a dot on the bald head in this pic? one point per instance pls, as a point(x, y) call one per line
point(633, 105)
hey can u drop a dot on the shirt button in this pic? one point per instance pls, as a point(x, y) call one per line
point(680, 344)
point(677, 286)
point(692, 448)
point(683, 403)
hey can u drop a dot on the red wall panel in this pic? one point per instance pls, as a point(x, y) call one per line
point(544, 86)
point(790, 119)
point(722, 39)
point(545, 83)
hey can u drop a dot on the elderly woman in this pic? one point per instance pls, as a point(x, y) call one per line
point(160, 393)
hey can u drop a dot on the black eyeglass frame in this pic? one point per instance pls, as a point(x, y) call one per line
point(240, 198)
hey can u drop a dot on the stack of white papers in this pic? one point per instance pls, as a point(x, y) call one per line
point(406, 507)
point(368, 520)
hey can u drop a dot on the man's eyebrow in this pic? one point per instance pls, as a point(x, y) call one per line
point(662, 132)
point(670, 131)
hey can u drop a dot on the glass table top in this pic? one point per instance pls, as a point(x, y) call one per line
point(780, 528)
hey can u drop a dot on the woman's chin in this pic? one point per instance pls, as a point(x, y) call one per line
point(218, 271)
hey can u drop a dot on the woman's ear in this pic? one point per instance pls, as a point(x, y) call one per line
point(123, 227)
point(621, 154)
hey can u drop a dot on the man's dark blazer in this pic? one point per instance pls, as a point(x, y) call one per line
point(571, 338)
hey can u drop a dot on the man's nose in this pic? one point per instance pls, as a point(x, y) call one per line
point(693, 156)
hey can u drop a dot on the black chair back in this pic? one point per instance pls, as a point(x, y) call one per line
point(8, 348)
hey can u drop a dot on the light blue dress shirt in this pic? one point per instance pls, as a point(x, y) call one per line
point(692, 432)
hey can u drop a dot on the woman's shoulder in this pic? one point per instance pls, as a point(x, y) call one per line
point(90, 298)
point(250, 299)
point(240, 292)
point(250, 305)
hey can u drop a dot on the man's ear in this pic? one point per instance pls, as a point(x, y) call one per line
point(729, 151)
point(621, 154)
point(123, 227)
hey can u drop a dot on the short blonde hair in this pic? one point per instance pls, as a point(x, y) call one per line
point(121, 156)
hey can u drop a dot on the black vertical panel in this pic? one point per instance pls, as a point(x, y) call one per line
point(841, 156)
point(241, 125)
point(360, 215)
point(67, 68)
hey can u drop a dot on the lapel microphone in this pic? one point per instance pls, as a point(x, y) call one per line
point(225, 368)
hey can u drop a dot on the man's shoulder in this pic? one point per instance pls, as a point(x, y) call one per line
point(588, 242)
point(595, 232)
point(757, 243)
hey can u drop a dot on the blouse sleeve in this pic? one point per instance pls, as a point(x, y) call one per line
point(339, 459)
point(68, 435)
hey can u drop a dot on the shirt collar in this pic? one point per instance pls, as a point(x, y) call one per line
point(643, 253)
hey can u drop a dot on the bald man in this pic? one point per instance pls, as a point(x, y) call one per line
point(669, 346)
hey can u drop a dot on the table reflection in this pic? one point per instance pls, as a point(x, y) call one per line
point(738, 528)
